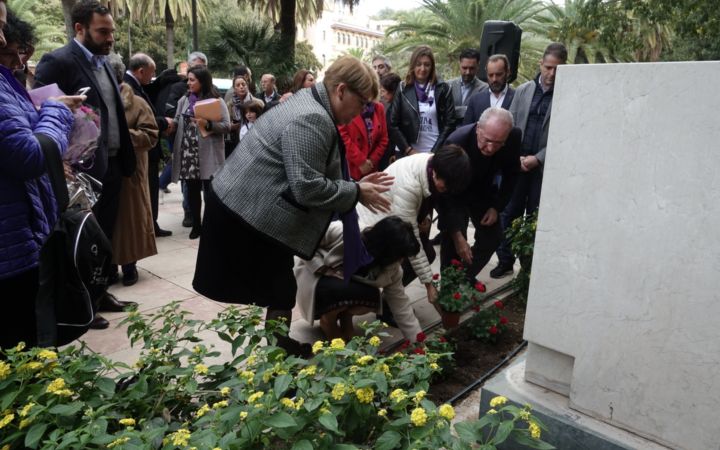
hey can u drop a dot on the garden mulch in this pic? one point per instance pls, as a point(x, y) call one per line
point(472, 358)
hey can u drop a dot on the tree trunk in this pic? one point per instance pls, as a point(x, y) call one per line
point(288, 30)
point(169, 36)
point(67, 6)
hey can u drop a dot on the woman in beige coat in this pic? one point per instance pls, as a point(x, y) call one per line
point(134, 236)
point(322, 294)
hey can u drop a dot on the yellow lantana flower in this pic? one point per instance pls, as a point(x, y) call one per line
point(202, 411)
point(201, 369)
point(309, 371)
point(255, 396)
point(365, 360)
point(317, 347)
point(446, 411)
point(288, 403)
point(25, 410)
point(398, 395)
point(365, 395)
point(220, 404)
point(382, 412)
point(6, 420)
point(181, 437)
point(243, 415)
point(492, 411)
point(419, 395)
point(418, 417)
point(338, 391)
point(534, 430)
point(4, 370)
point(47, 354)
point(337, 344)
point(118, 441)
point(375, 341)
point(128, 422)
point(57, 387)
point(225, 391)
point(498, 401)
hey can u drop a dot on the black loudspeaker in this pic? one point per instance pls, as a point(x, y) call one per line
point(500, 37)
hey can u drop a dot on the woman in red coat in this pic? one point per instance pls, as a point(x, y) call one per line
point(366, 139)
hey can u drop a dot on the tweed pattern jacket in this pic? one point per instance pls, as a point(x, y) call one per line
point(284, 179)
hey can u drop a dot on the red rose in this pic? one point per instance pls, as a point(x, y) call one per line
point(457, 296)
point(436, 276)
point(405, 344)
point(499, 305)
point(476, 308)
point(442, 339)
point(420, 337)
point(503, 320)
point(480, 287)
point(419, 351)
point(493, 330)
point(455, 263)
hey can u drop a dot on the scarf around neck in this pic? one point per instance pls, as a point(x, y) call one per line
point(421, 91)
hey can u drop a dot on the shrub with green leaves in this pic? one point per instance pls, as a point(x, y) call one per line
point(180, 394)
point(522, 242)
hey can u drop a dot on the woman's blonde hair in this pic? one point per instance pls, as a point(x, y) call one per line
point(419, 52)
point(358, 76)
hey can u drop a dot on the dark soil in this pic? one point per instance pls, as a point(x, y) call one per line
point(473, 358)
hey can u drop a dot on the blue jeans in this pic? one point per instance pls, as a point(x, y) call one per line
point(166, 175)
point(525, 200)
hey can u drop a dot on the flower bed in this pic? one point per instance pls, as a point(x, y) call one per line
point(348, 396)
point(474, 357)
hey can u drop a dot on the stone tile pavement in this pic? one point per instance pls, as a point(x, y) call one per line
point(167, 277)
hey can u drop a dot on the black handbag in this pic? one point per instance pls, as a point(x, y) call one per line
point(73, 262)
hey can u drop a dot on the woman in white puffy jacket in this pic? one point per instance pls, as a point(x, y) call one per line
point(322, 294)
point(419, 178)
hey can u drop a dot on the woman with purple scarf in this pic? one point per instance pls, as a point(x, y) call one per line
point(366, 139)
point(28, 205)
point(423, 110)
point(196, 157)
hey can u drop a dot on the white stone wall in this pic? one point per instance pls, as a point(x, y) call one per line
point(624, 303)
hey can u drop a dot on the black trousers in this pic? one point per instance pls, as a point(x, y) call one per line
point(487, 240)
point(195, 188)
point(106, 209)
point(18, 322)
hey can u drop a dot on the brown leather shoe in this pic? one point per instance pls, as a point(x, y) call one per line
point(110, 303)
point(99, 323)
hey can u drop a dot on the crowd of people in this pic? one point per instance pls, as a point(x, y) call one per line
point(323, 195)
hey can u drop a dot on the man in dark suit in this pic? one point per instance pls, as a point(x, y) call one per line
point(497, 93)
point(81, 63)
point(467, 84)
point(269, 93)
point(141, 69)
point(493, 145)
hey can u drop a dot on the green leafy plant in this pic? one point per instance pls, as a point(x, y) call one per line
point(503, 422)
point(522, 242)
point(183, 394)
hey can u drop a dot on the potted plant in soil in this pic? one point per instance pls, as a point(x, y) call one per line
point(455, 293)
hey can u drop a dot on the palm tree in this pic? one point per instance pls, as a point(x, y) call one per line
point(145, 10)
point(453, 25)
point(48, 34)
point(568, 24)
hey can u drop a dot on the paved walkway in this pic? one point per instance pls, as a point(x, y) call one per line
point(167, 277)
